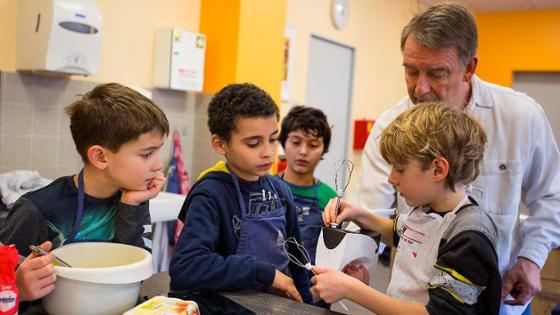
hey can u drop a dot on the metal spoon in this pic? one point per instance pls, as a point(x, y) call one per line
point(39, 251)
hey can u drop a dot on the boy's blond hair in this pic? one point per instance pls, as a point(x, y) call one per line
point(436, 129)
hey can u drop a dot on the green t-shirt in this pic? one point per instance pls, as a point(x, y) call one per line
point(324, 192)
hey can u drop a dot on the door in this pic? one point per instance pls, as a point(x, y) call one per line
point(329, 88)
point(544, 87)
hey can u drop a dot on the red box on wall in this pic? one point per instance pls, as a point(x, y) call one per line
point(361, 132)
point(282, 164)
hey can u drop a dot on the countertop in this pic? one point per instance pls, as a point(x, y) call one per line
point(256, 301)
point(245, 302)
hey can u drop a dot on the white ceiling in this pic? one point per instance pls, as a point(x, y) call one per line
point(499, 5)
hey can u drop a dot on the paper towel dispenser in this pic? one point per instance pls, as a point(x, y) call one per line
point(59, 36)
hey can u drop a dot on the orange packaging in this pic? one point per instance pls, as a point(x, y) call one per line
point(9, 298)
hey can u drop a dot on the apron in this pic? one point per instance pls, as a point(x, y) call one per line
point(262, 233)
point(420, 236)
point(310, 219)
point(80, 212)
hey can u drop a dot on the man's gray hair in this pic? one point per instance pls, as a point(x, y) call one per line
point(445, 26)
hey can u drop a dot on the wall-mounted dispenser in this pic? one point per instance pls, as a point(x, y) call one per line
point(179, 59)
point(59, 36)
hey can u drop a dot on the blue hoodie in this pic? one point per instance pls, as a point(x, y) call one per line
point(205, 256)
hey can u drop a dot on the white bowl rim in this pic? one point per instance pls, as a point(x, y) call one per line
point(110, 275)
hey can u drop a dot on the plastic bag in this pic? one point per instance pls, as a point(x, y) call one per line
point(9, 297)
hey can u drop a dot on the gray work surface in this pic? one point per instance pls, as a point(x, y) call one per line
point(256, 301)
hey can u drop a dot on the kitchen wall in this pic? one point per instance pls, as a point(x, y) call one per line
point(374, 30)
point(517, 41)
point(128, 36)
point(34, 130)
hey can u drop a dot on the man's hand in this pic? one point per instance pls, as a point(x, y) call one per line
point(285, 285)
point(35, 276)
point(522, 282)
point(136, 197)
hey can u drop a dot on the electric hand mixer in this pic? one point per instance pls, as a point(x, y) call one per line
point(336, 248)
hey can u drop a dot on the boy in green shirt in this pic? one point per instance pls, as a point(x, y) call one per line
point(305, 136)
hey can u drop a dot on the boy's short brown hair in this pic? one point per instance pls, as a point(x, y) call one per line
point(435, 129)
point(111, 115)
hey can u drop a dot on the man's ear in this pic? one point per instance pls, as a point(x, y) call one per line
point(218, 144)
point(441, 168)
point(97, 156)
point(470, 68)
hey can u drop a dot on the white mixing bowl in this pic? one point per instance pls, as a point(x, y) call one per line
point(104, 279)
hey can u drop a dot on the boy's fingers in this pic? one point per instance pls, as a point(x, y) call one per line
point(46, 281)
point(293, 292)
point(340, 219)
point(326, 217)
point(44, 291)
point(33, 262)
point(332, 210)
point(45, 271)
point(47, 245)
point(314, 280)
point(319, 270)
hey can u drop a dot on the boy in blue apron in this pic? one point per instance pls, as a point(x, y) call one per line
point(237, 217)
point(118, 134)
point(446, 261)
point(305, 135)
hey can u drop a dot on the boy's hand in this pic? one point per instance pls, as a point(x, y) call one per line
point(329, 284)
point(136, 197)
point(347, 211)
point(285, 285)
point(35, 276)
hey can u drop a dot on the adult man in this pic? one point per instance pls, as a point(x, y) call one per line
point(521, 161)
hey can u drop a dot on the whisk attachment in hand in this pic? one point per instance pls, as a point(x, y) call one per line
point(304, 261)
point(342, 176)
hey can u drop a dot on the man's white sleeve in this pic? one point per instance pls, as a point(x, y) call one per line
point(374, 191)
point(541, 193)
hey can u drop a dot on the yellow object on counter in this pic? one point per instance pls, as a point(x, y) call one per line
point(162, 305)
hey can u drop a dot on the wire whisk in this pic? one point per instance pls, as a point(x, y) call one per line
point(301, 249)
point(342, 176)
point(305, 255)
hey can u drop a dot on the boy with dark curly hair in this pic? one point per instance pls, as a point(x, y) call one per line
point(236, 216)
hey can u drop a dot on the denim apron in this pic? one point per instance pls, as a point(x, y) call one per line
point(262, 234)
point(310, 219)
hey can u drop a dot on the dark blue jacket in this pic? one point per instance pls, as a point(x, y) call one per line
point(205, 256)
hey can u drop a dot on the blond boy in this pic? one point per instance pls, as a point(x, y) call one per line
point(446, 261)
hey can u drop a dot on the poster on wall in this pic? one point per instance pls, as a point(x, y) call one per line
point(288, 65)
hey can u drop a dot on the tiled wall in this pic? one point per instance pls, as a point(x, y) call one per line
point(34, 130)
point(203, 154)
